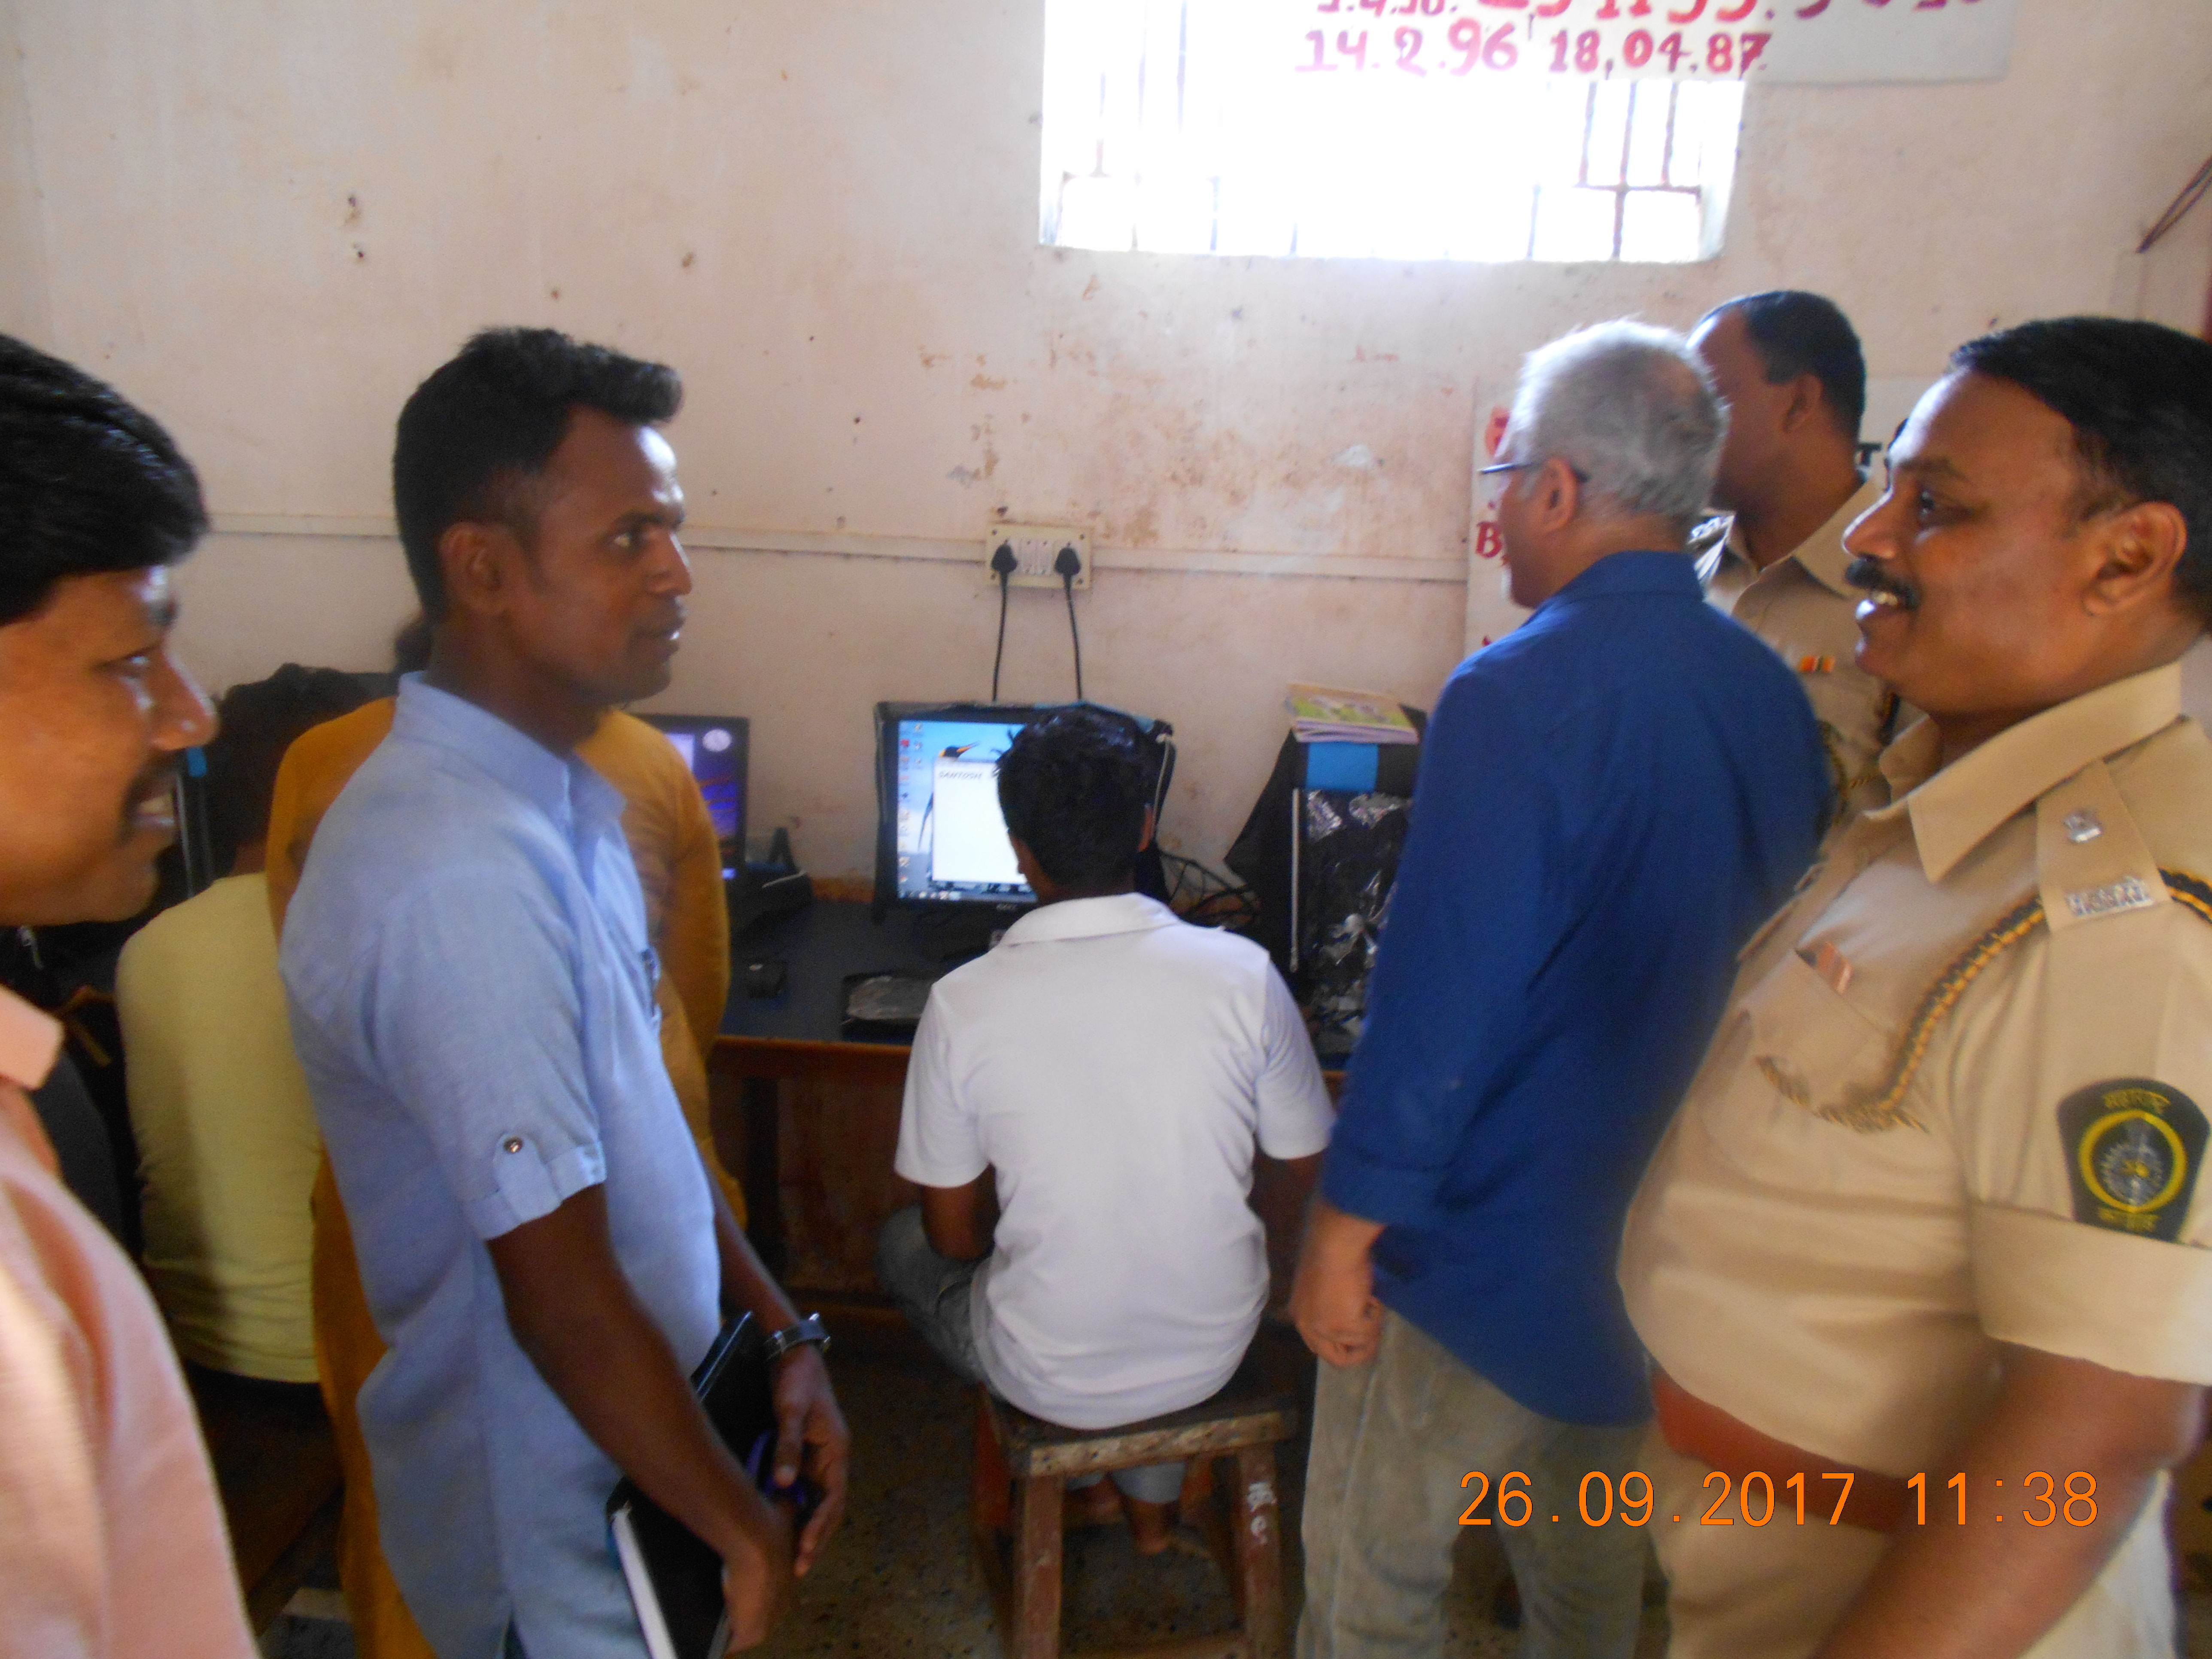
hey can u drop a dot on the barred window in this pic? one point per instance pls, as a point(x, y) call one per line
point(1216, 126)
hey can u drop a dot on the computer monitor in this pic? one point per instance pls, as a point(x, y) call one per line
point(940, 839)
point(714, 747)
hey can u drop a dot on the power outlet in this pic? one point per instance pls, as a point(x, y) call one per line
point(1036, 546)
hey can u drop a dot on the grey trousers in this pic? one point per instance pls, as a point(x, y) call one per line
point(1392, 1441)
point(936, 1295)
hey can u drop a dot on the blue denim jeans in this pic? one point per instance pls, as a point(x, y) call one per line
point(936, 1296)
point(1392, 1441)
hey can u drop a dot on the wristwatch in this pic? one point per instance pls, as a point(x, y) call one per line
point(809, 1329)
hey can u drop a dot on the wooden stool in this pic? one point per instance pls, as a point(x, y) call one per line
point(1021, 1472)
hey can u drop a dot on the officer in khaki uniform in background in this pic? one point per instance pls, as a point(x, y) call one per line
point(1789, 366)
point(1933, 1206)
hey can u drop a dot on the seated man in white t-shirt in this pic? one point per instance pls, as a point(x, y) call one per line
point(1116, 1069)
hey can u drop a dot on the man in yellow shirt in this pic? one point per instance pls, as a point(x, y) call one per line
point(228, 1146)
point(679, 866)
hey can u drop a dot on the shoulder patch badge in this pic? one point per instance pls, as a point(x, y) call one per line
point(2132, 1149)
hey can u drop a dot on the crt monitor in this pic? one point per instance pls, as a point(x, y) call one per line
point(714, 747)
point(940, 839)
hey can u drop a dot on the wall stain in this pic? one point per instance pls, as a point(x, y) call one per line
point(966, 475)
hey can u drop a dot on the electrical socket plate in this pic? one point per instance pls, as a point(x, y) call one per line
point(1036, 546)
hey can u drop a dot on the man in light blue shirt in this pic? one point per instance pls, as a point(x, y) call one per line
point(472, 997)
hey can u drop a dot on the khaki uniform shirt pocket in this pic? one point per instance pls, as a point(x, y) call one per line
point(1821, 1054)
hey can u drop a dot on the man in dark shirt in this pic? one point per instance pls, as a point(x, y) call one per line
point(1610, 800)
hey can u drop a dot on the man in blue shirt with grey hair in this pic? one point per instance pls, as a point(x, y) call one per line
point(1610, 800)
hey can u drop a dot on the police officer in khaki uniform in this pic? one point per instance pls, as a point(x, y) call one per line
point(1925, 1256)
point(1789, 367)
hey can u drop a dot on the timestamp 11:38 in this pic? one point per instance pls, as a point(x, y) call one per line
point(1761, 1499)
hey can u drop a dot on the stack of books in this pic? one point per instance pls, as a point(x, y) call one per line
point(1322, 713)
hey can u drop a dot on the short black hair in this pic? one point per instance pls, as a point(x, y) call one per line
point(1074, 787)
point(1800, 333)
point(2139, 398)
point(89, 483)
point(260, 721)
point(481, 428)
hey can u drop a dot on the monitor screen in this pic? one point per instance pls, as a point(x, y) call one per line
point(714, 749)
point(949, 841)
point(941, 838)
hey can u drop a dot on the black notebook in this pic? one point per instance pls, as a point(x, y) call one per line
point(674, 1579)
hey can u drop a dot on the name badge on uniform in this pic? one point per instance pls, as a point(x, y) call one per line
point(2128, 893)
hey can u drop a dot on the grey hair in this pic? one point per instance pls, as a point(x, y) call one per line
point(1630, 407)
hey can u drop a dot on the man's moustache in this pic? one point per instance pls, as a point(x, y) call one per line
point(1873, 575)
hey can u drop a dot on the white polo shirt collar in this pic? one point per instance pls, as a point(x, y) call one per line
point(1090, 918)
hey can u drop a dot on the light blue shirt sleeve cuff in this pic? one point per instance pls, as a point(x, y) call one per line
point(1392, 1194)
point(526, 1185)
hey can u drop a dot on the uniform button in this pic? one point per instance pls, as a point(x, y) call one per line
point(2082, 826)
point(512, 1143)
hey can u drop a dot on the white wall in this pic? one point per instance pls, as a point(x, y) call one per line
point(23, 309)
point(267, 222)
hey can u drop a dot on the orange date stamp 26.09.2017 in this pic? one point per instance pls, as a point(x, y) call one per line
point(1759, 1499)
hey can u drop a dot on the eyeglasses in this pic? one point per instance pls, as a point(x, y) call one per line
point(1497, 469)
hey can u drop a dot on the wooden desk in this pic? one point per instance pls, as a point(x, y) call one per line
point(808, 1121)
point(811, 1128)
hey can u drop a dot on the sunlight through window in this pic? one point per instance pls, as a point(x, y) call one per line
point(1214, 126)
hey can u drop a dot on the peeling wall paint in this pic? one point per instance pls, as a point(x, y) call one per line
point(281, 217)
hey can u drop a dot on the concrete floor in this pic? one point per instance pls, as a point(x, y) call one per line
point(901, 1581)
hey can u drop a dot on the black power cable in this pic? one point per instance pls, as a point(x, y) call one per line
point(1067, 564)
point(1003, 562)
